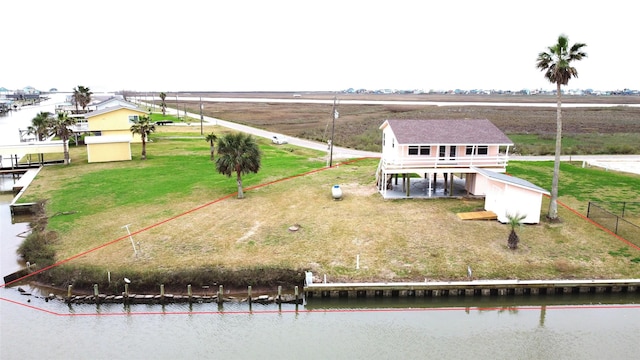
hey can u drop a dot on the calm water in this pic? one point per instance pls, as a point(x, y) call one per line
point(554, 327)
point(560, 327)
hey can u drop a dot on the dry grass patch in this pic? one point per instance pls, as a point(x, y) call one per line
point(395, 240)
point(199, 230)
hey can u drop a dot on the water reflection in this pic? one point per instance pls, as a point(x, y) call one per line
point(495, 330)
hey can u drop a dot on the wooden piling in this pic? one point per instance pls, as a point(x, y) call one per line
point(220, 294)
point(69, 292)
point(249, 298)
point(96, 293)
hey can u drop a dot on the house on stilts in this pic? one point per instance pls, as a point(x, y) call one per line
point(422, 158)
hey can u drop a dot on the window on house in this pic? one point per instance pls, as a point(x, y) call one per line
point(419, 150)
point(480, 150)
point(133, 118)
point(442, 152)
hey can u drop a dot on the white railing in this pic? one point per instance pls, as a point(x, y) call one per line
point(438, 163)
point(80, 127)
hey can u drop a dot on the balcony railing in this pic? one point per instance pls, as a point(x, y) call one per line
point(444, 163)
point(80, 127)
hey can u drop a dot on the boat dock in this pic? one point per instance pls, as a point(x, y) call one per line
point(468, 288)
point(19, 187)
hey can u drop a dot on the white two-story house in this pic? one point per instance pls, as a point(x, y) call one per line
point(429, 149)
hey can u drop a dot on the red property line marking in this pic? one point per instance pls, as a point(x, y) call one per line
point(173, 218)
point(288, 311)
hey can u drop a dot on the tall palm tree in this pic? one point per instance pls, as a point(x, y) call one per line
point(75, 98)
point(40, 125)
point(556, 63)
point(143, 127)
point(211, 139)
point(61, 127)
point(163, 104)
point(81, 96)
point(239, 153)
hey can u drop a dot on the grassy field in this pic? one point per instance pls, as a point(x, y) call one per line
point(598, 130)
point(189, 228)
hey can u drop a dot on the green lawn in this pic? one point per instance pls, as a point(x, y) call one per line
point(190, 227)
point(580, 185)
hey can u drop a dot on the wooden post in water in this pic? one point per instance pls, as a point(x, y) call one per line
point(162, 293)
point(297, 294)
point(69, 292)
point(249, 294)
point(220, 294)
point(96, 292)
point(279, 293)
point(189, 293)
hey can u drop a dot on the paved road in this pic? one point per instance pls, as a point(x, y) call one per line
point(338, 152)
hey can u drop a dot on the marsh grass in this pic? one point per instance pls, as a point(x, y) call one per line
point(187, 224)
point(597, 130)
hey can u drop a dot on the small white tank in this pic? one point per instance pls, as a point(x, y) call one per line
point(336, 192)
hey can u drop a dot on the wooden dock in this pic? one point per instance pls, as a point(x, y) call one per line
point(468, 288)
point(19, 188)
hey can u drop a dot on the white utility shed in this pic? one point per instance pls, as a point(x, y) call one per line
point(509, 195)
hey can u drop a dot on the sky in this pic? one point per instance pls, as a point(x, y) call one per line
point(309, 45)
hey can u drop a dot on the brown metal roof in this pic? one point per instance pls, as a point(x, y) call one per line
point(458, 131)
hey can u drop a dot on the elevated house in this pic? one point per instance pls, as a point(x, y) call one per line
point(113, 101)
point(111, 132)
point(434, 152)
point(114, 120)
point(430, 149)
point(4, 92)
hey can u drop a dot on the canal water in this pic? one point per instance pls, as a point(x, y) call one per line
point(585, 326)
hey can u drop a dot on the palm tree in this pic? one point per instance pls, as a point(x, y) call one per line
point(556, 63)
point(61, 127)
point(81, 96)
point(40, 125)
point(75, 98)
point(514, 221)
point(143, 127)
point(239, 153)
point(163, 104)
point(211, 138)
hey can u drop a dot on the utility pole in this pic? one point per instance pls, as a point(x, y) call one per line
point(334, 116)
point(177, 107)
